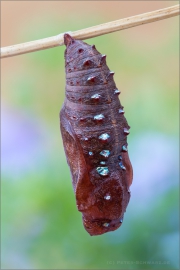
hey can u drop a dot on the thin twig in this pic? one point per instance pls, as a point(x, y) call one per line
point(90, 32)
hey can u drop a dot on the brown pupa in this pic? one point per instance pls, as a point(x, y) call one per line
point(94, 132)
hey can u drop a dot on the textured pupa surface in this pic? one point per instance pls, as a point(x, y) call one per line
point(94, 132)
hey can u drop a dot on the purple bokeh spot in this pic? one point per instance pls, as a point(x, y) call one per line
point(23, 142)
point(154, 157)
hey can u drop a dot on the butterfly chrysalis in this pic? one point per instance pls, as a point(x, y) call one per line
point(94, 132)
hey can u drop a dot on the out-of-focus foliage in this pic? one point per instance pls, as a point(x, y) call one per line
point(41, 227)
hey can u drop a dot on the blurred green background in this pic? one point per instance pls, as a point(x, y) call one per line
point(41, 227)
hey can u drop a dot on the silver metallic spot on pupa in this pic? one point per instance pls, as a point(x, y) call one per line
point(104, 137)
point(107, 197)
point(91, 153)
point(120, 157)
point(122, 166)
point(95, 97)
point(99, 117)
point(104, 171)
point(105, 153)
point(106, 224)
point(103, 162)
point(124, 148)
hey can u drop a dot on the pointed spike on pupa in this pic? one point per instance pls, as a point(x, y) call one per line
point(68, 40)
point(116, 92)
point(121, 220)
point(110, 75)
point(103, 59)
point(124, 148)
point(93, 46)
point(87, 63)
point(91, 79)
point(126, 131)
point(121, 111)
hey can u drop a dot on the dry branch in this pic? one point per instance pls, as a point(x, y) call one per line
point(90, 32)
